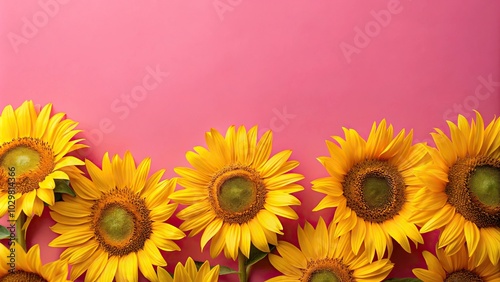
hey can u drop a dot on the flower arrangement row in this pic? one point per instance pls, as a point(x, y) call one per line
point(113, 217)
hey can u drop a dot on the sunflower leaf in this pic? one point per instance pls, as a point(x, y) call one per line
point(403, 280)
point(223, 270)
point(62, 187)
point(4, 232)
point(256, 255)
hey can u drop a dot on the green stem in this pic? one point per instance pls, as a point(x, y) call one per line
point(21, 233)
point(242, 269)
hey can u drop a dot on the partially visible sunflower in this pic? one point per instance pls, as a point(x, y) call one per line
point(461, 193)
point(456, 267)
point(371, 184)
point(33, 151)
point(18, 265)
point(235, 192)
point(190, 273)
point(325, 257)
point(116, 223)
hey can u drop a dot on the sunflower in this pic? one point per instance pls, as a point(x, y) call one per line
point(116, 223)
point(325, 257)
point(17, 265)
point(190, 273)
point(371, 185)
point(33, 153)
point(457, 267)
point(235, 192)
point(461, 193)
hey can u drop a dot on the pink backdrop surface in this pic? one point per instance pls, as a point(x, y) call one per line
point(153, 76)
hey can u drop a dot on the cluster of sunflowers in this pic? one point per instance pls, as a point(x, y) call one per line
point(113, 218)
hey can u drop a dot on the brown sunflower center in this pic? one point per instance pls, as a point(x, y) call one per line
point(463, 275)
point(327, 270)
point(121, 222)
point(22, 276)
point(237, 193)
point(30, 160)
point(474, 190)
point(375, 190)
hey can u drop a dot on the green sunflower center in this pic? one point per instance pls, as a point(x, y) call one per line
point(324, 276)
point(121, 222)
point(117, 223)
point(327, 270)
point(237, 193)
point(375, 190)
point(28, 159)
point(22, 158)
point(22, 276)
point(463, 275)
point(484, 183)
point(474, 190)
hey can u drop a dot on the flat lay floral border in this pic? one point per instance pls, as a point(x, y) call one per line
point(114, 217)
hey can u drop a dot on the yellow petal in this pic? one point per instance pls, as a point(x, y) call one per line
point(245, 241)
point(258, 236)
point(284, 266)
point(96, 266)
point(263, 149)
point(241, 145)
point(9, 129)
point(472, 236)
point(218, 241)
point(210, 231)
point(46, 195)
point(108, 274)
point(141, 175)
point(233, 237)
point(42, 121)
point(441, 218)
point(269, 221)
point(127, 268)
point(292, 254)
point(71, 238)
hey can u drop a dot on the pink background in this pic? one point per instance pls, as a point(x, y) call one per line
point(301, 68)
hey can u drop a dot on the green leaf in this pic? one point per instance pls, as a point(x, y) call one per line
point(4, 232)
point(403, 280)
point(62, 187)
point(223, 270)
point(256, 255)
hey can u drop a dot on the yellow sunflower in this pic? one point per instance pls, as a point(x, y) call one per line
point(235, 192)
point(116, 223)
point(371, 184)
point(189, 273)
point(18, 265)
point(325, 257)
point(33, 152)
point(457, 267)
point(461, 194)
